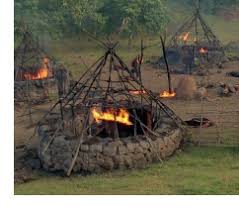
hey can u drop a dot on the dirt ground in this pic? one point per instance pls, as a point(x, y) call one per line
point(156, 80)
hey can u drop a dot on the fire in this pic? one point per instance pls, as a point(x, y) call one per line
point(203, 50)
point(137, 92)
point(167, 94)
point(40, 74)
point(184, 36)
point(121, 116)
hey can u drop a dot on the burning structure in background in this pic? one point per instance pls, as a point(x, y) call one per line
point(193, 45)
point(37, 75)
point(43, 72)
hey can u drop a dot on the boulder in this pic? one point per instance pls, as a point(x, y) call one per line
point(201, 93)
point(231, 88)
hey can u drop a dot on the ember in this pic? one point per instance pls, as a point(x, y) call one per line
point(184, 36)
point(137, 92)
point(203, 50)
point(167, 94)
point(121, 116)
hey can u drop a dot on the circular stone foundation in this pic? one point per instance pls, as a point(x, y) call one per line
point(105, 154)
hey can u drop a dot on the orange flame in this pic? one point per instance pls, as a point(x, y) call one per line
point(121, 116)
point(137, 92)
point(184, 36)
point(203, 50)
point(40, 74)
point(167, 94)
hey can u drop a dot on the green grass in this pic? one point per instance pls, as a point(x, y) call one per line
point(205, 170)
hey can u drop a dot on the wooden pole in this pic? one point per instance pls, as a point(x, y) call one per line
point(167, 67)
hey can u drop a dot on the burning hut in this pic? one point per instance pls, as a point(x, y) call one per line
point(193, 45)
point(37, 75)
point(107, 121)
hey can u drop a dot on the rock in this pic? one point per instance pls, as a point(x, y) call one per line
point(220, 66)
point(210, 85)
point(144, 144)
point(201, 93)
point(122, 150)
point(130, 146)
point(84, 147)
point(128, 162)
point(138, 149)
point(118, 162)
point(236, 87)
point(176, 136)
point(148, 157)
point(108, 163)
point(224, 92)
point(109, 149)
point(171, 146)
point(139, 160)
point(231, 88)
point(96, 147)
point(222, 84)
point(34, 163)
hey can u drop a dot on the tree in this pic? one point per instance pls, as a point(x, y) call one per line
point(56, 17)
point(84, 13)
point(27, 13)
point(134, 17)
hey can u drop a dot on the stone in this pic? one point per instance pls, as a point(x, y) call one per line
point(108, 163)
point(84, 148)
point(122, 150)
point(171, 147)
point(130, 146)
point(109, 149)
point(161, 149)
point(148, 157)
point(128, 162)
point(176, 137)
point(236, 87)
point(224, 91)
point(34, 163)
point(139, 160)
point(118, 161)
point(91, 166)
point(201, 93)
point(144, 144)
point(96, 147)
point(43, 129)
point(231, 88)
point(166, 120)
point(222, 84)
point(138, 149)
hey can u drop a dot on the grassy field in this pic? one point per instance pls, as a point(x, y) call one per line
point(205, 170)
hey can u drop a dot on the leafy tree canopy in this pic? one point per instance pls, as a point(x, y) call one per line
point(134, 16)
